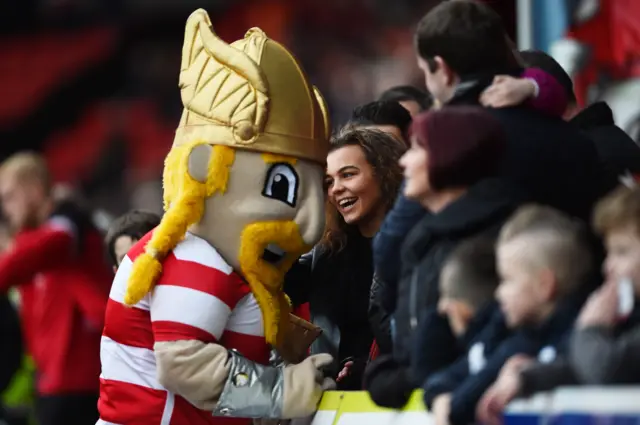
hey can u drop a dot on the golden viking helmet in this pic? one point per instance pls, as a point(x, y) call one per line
point(251, 95)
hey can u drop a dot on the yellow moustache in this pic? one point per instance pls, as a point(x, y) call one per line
point(266, 278)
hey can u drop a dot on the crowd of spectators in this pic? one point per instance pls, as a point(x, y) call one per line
point(482, 239)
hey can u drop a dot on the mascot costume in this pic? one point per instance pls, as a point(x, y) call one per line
point(197, 305)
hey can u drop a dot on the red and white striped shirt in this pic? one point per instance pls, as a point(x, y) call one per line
point(198, 297)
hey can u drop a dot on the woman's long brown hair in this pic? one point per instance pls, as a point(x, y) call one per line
point(382, 151)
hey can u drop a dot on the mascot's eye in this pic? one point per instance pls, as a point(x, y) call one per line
point(281, 184)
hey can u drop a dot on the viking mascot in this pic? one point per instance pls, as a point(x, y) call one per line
point(197, 305)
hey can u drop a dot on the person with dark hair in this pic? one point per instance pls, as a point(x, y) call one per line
point(362, 181)
point(616, 149)
point(451, 170)
point(384, 115)
point(467, 284)
point(410, 98)
point(125, 231)
point(461, 48)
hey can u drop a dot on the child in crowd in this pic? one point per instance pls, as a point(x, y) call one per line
point(606, 341)
point(542, 259)
point(125, 231)
point(467, 285)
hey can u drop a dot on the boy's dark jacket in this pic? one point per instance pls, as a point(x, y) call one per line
point(466, 389)
point(597, 356)
point(423, 365)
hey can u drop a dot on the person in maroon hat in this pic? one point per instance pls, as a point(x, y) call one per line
point(451, 169)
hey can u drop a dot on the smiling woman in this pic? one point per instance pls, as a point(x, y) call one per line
point(362, 181)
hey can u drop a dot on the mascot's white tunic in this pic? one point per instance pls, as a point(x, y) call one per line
point(197, 304)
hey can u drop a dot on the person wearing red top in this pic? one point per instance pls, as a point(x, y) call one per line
point(56, 262)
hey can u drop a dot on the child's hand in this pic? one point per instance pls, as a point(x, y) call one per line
point(506, 388)
point(441, 409)
point(516, 363)
point(602, 307)
point(507, 91)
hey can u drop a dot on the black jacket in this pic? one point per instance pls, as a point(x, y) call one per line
point(337, 288)
point(555, 162)
point(470, 376)
point(483, 208)
point(379, 317)
point(616, 149)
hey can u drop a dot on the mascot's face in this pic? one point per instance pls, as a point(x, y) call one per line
point(271, 212)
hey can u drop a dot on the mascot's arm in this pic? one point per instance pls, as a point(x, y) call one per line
point(188, 324)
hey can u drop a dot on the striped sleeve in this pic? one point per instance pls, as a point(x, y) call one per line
point(194, 298)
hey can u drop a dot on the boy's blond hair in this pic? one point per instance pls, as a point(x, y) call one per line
point(557, 242)
point(27, 166)
point(618, 210)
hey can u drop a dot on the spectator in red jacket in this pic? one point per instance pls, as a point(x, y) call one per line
point(56, 261)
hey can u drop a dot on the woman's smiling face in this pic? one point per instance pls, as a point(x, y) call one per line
point(352, 187)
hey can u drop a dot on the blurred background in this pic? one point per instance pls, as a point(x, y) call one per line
point(93, 83)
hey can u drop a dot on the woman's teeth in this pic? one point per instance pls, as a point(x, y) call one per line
point(346, 203)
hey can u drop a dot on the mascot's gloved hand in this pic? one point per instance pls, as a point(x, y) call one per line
point(304, 384)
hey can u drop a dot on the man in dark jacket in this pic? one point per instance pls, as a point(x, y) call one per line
point(461, 47)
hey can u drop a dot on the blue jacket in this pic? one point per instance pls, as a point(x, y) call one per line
point(471, 375)
point(387, 244)
point(425, 360)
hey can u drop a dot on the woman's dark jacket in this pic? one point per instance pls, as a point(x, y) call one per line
point(337, 288)
point(482, 209)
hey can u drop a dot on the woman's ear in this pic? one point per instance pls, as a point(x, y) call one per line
point(198, 163)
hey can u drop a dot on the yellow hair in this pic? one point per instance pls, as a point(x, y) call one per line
point(184, 199)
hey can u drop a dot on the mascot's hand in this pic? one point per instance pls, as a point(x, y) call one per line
point(304, 384)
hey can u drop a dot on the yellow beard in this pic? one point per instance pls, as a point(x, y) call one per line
point(266, 279)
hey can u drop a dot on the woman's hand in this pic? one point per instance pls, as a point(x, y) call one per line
point(346, 370)
point(508, 91)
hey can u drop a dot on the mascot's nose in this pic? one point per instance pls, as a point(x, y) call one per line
point(310, 217)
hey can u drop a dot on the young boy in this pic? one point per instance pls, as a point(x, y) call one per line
point(467, 285)
point(125, 231)
point(604, 346)
point(542, 259)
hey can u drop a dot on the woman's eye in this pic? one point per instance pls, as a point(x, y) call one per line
point(281, 183)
